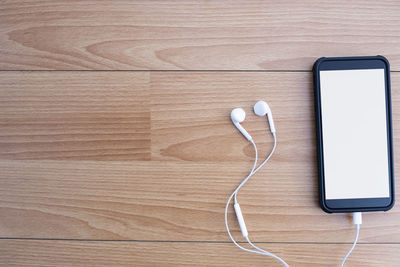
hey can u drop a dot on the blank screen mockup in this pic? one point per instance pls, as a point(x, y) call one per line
point(354, 133)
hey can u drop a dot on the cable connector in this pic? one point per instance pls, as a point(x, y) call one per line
point(357, 218)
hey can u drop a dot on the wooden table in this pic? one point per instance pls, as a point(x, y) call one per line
point(116, 147)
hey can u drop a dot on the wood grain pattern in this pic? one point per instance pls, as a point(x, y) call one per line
point(73, 253)
point(131, 162)
point(197, 158)
point(176, 201)
point(195, 35)
point(74, 115)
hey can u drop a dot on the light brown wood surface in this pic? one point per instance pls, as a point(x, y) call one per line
point(131, 163)
point(72, 253)
point(165, 35)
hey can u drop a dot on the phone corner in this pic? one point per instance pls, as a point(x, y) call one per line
point(324, 207)
point(385, 60)
point(390, 206)
point(317, 63)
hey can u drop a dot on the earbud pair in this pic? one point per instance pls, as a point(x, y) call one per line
point(261, 108)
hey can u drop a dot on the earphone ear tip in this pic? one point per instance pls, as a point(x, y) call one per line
point(261, 108)
point(238, 115)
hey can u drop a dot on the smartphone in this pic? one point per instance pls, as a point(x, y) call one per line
point(354, 134)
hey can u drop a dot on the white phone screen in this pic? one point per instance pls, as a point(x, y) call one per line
point(354, 133)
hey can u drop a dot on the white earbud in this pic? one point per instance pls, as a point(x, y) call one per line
point(261, 108)
point(238, 115)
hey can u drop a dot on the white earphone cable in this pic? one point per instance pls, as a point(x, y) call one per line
point(252, 172)
point(229, 201)
point(267, 253)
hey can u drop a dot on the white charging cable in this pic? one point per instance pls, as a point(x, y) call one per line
point(239, 212)
point(357, 220)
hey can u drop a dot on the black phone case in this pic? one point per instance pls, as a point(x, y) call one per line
point(319, 134)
